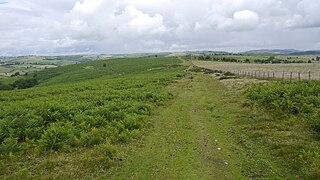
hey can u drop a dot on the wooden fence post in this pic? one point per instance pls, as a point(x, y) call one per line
point(290, 75)
point(282, 75)
point(273, 75)
point(299, 76)
point(309, 75)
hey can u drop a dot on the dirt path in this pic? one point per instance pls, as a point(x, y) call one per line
point(187, 140)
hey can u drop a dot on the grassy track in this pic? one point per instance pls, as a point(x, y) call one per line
point(186, 141)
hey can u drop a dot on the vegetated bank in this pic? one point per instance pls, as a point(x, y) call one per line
point(290, 130)
point(279, 125)
point(70, 124)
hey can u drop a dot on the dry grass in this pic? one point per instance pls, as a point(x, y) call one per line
point(275, 70)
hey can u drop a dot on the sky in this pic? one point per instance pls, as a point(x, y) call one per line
point(59, 27)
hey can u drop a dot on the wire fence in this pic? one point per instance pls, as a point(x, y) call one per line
point(277, 75)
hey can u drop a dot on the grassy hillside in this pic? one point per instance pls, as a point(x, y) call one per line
point(98, 69)
point(150, 118)
point(78, 109)
point(291, 132)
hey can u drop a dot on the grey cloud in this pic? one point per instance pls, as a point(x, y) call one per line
point(306, 15)
point(125, 26)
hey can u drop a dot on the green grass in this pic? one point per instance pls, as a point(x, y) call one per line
point(181, 144)
point(292, 131)
point(147, 118)
point(91, 116)
point(199, 135)
point(97, 69)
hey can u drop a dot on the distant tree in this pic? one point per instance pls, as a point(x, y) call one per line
point(200, 58)
point(309, 61)
point(318, 58)
point(271, 58)
point(24, 83)
point(15, 74)
point(104, 65)
point(247, 61)
point(208, 58)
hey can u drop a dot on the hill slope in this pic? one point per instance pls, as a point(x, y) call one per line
point(77, 110)
point(97, 69)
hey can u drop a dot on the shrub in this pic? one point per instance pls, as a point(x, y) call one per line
point(107, 151)
point(24, 83)
point(228, 73)
point(133, 122)
point(93, 137)
point(5, 86)
point(300, 98)
point(10, 144)
point(23, 174)
point(56, 136)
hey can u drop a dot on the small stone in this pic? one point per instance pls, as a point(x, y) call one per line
point(219, 149)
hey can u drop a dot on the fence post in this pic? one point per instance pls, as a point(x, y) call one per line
point(273, 75)
point(268, 75)
point(309, 75)
point(282, 75)
point(290, 75)
point(299, 76)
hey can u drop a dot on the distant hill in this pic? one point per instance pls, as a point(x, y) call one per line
point(272, 51)
point(315, 52)
point(198, 53)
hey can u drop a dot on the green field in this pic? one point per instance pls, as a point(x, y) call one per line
point(29, 64)
point(257, 58)
point(157, 118)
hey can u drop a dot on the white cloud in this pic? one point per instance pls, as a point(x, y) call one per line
point(245, 20)
point(241, 20)
point(133, 22)
point(87, 6)
point(306, 15)
point(110, 26)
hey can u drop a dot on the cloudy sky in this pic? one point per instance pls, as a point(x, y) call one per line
point(48, 27)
